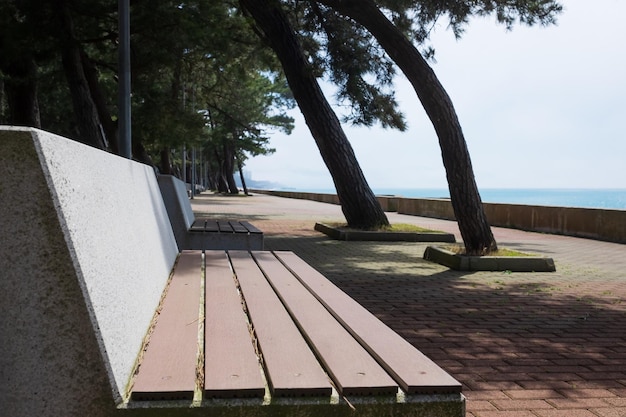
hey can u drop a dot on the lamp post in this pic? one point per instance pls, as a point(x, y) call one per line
point(123, 96)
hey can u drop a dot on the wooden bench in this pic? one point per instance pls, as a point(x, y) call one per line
point(224, 226)
point(204, 233)
point(91, 271)
point(271, 327)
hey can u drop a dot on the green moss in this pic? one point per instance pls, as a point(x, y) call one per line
point(395, 227)
point(504, 252)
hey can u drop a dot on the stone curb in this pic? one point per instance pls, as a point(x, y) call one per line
point(489, 263)
point(362, 235)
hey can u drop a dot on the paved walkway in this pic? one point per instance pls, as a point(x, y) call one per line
point(522, 344)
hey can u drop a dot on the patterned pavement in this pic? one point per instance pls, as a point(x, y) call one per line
point(522, 344)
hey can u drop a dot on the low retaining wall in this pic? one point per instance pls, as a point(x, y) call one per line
point(388, 203)
point(599, 224)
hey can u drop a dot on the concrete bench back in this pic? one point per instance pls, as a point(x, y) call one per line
point(86, 251)
point(174, 193)
point(201, 234)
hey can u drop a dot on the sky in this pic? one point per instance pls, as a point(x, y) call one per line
point(540, 107)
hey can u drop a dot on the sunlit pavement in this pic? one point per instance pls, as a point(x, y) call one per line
point(522, 344)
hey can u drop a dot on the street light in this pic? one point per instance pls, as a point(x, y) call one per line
point(123, 95)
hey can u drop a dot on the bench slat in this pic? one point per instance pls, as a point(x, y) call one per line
point(211, 226)
point(238, 227)
point(198, 225)
point(251, 229)
point(415, 372)
point(291, 367)
point(353, 369)
point(224, 227)
point(231, 365)
point(168, 368)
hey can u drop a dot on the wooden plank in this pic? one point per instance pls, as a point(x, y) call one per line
point(211, 226)
point(238, 227)
point(168, 368)
point(232, 367)
point(352, 368)
point(224, 227)
point(415, 372)
point(290, 365)
point(198, 225)
point(251, 228)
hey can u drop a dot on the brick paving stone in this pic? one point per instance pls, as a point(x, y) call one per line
point(619, 402)
point(509, 413)
point(521, 404)
point(573, 369)
point(486, 395)
point(609, 412)
point(509, 376)
point(479, 405)
point(532, 394)
point(523, 369)
point(601, 375)
point(535, 385)
point(597, 384)
point(590, 363)
point(490, 386)
point(557, 376)
point(577, 403)
point(604, 368)
point(564, 413)
point(587, 393)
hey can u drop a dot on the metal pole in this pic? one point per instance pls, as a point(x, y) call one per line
point(123, 97)
point(185, 164)
point(193, 171)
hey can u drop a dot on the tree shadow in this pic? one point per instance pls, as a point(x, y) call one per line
point(490, 330)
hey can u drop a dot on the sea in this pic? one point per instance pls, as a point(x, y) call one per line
point(561, 197)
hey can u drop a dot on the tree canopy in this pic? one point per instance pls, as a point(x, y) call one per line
point(58, 71)
point(204, 77)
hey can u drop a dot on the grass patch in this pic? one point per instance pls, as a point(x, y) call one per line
point(395, 227)
point(504, 252)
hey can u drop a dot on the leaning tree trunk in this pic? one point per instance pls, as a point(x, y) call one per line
point(141, 154)
point(84, 107)
point(228, 169)
point(21, 93)
point(241, 176)
point(165, 163)
point(358, 202)
point(108, 125)
point(464, 195)
point(222, 186)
